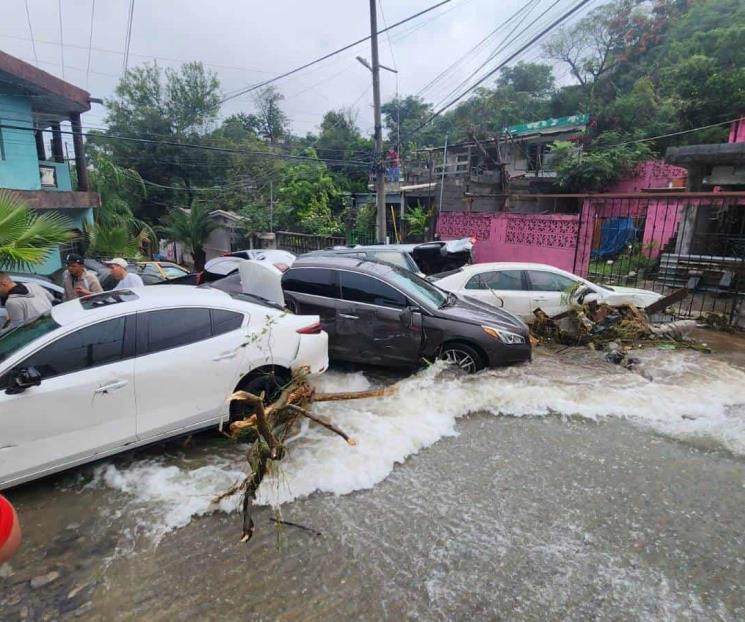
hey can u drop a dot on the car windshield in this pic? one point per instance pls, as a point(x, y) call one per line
point(21, 336)
point(416, 287)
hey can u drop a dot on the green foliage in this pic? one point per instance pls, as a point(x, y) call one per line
point(115, 241)
point(176, 106)
point(190, 227)
point(308, 192)
point(579, 171)
point(269, 122)
point(418, 219)
point(27, 239)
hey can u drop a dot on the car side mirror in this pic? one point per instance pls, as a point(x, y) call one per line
point(580, 294)
point(22, 379)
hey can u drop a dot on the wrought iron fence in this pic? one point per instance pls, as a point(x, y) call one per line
point(666, 241)
point(300, 243)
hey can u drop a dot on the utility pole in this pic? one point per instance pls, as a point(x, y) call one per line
point(379, 166)
point(271, 205)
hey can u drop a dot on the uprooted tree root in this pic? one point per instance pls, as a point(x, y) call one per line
point(270, 425)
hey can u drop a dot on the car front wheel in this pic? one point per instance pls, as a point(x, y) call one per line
point(462, 355)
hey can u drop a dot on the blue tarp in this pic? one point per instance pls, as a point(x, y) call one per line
point(615, 235)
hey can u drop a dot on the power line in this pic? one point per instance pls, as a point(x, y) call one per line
point(171, 143)
point(452, 66)
point(61, 39)
point(533, 40)
point(90, 43)
point(509, 39)
point(388, 36)
point(254, 87)
point(31, 32)
point(128, 39)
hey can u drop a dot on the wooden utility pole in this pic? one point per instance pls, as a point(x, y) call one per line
point(379, 166)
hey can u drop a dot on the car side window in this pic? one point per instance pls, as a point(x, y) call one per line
point(315, 281)
point(225, 321)
point(397, 259)
point(541, 281)
point(172, 328)
point(92, 346)
point(499, 279)
point(362, 288)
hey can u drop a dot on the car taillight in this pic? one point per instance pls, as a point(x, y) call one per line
point(282, 267)
point(200, 277)
point(313, 329)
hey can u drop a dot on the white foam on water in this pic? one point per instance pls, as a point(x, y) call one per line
point(684, 395)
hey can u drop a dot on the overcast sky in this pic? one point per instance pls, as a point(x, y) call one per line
point(245, 41)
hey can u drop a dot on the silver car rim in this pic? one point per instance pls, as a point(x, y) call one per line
point(460, 358)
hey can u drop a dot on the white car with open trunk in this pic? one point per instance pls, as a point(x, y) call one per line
point(117, 370)
point(523, 287)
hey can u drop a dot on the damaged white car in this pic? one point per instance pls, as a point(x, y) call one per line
point(523, 287)
point(113, 371)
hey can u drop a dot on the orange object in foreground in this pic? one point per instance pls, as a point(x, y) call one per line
point(10, 530)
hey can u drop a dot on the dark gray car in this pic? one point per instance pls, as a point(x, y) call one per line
point(380, 314)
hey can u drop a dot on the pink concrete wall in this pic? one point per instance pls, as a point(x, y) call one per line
point(737, 131)
point(540, 238)
point(651, 174)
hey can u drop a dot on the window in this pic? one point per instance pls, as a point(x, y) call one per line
point(392, 257)
point(502, 279)
point(172, 328)
point(362, 288)
point(173, 272)
point(93, 346)
point(107, 298)
point(225, 321)
point(19, 337)
point(417, 287)
point(315, 281)
point(549, 281)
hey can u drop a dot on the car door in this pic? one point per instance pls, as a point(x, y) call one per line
point(85, 403)
point(373, 323)
point(314, 291)
point(188, 362)
point(547, 289)
point(505, 288)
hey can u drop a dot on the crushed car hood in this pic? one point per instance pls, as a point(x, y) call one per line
point(476, 312)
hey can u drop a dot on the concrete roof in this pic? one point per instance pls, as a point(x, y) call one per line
point(49, 94)
point(722, 153)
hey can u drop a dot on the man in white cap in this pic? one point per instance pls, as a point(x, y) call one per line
point(125, 280)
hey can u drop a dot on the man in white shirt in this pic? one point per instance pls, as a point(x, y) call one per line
point(118, 267)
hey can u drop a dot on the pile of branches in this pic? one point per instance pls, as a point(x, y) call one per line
point(268, 426)
point(597, 325)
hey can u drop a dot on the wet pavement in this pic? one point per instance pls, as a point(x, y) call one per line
point(567, 489)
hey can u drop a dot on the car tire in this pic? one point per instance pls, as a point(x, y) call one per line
point(270, 383)
point(462, 355)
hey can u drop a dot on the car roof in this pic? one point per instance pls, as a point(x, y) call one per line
point(511, 265)
point(146, 299)
point(366, 266)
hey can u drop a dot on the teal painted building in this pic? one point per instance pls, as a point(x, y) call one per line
point(33, 105)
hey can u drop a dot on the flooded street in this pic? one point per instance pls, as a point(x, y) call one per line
point(569, 488)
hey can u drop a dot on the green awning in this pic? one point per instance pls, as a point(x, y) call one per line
point(536, 127)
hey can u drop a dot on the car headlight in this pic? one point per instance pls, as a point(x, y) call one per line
point(504, 336)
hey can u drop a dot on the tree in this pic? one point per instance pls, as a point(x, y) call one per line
point(191, 227)
point(340, 139)
point(308, 192)
point(161, 109)
point(595, 170)
point(269, 121)
point(28, 239)
point(536, 79)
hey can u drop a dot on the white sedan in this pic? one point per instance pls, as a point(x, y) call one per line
point(117, 370)
point(523, 287)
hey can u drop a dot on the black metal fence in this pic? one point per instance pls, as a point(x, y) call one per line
point(300, 243)
point(666, 241)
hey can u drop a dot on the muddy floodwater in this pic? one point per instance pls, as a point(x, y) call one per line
point(568, 488)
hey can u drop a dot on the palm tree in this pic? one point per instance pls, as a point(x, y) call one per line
point(26, 238)
point(121, 190)
point(191, 227)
